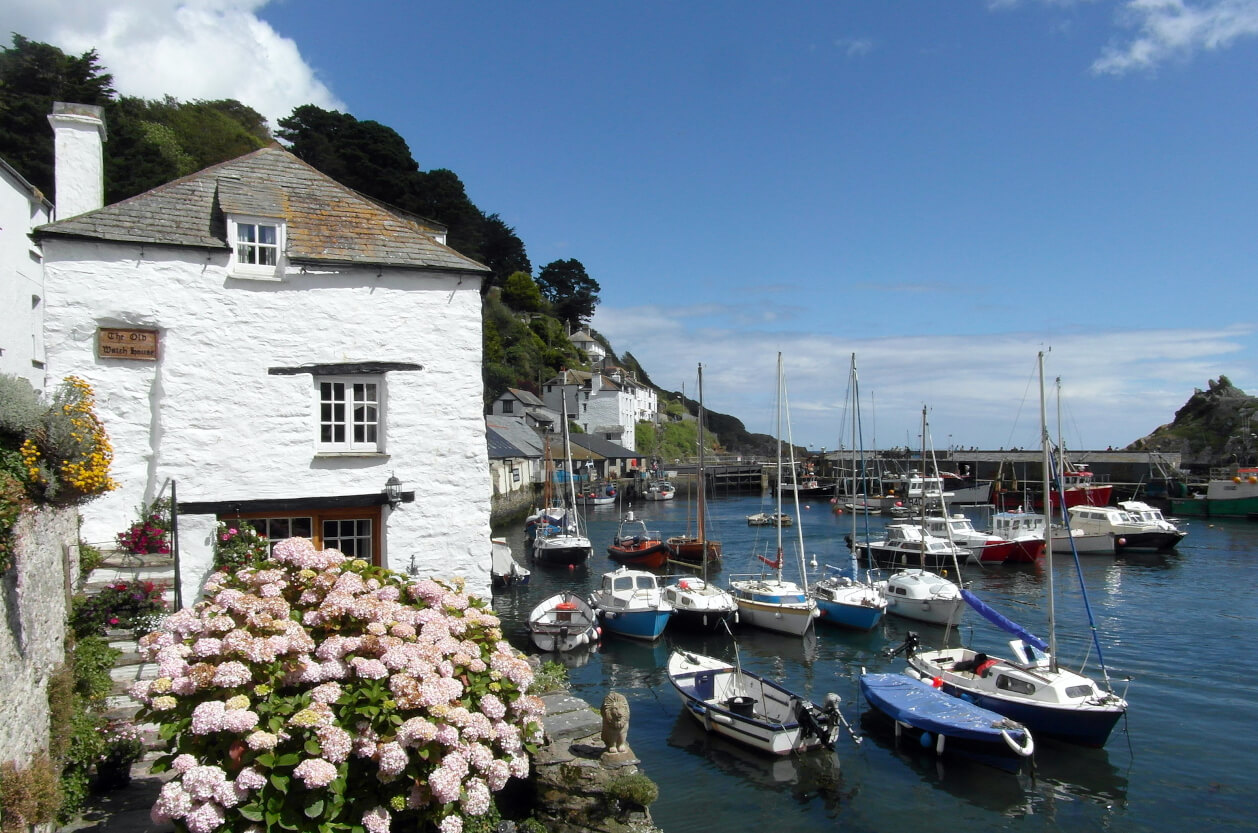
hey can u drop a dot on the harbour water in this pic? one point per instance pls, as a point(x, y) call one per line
point(1177, 631)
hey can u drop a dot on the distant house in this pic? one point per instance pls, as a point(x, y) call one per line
point(607, 403)
point(593, 349)
point(22, 208)
point(515, 402)
point(275, 347)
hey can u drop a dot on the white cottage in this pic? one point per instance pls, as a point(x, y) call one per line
point(277, 347)
point(22, 208)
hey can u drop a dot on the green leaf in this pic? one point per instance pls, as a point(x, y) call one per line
point(289, 759)
point(252, 812)
point(266, 759)
point(280, 782)
point(313, 748)
point(313, 808)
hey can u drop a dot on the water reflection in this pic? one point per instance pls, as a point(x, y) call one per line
point(810, 777)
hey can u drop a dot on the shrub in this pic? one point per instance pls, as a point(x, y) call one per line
point(67, 454)
point(238, 545)
point(90, 558)
point(12, 501)
point(551, 676)
point(634, 789)
point(126, 605)
point(93, 659)
point(28, 796)
point(120, 743)
point(314, 692)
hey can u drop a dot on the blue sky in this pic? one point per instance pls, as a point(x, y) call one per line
point(942, 189)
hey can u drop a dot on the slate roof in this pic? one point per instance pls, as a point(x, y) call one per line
point(602, 447)
point(514, 432)
point(499, 446)
point(325, 222)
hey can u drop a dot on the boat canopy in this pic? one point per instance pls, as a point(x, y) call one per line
point(1001, 621)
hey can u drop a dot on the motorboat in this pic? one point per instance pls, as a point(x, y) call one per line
point(700, 605)
point(906, 544)
point(637, 546)
point(923, 596)
point(1151, 515)
point(1127, 531)
point(563, 622)
point(660, 490)
point(630, 603)
point(504, 571)
point(603, 494)
point(752, 710)
point(1234, 495)
point(847, 602)
point(945, 724)
point(770, 519)
point(988, 547)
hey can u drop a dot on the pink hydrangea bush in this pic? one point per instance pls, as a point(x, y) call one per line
point(316, 692)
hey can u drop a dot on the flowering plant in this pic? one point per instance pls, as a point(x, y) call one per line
point(238, 545)
point(67, 454)
point(123, 605)
point(120, 743)
point(150, 534)
point(313, 691)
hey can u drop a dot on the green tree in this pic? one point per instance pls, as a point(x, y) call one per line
point(32, 76)
point(570, 290)
point(503, 251)
point(520, 292)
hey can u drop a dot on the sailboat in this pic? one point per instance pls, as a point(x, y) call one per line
point(559, 537)
point(844, 600)
point(698, 604)
point(697, 549)
point(1032, 688)
point(772, 603)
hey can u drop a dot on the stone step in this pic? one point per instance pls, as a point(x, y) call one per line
point(124, 676)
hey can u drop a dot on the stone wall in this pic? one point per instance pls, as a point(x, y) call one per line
point(34, 596)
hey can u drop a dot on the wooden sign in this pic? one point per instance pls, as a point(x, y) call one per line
point(139, 345)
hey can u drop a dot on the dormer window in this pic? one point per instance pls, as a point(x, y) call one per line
point(257, 247)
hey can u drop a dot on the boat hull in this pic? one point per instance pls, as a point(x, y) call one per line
point(774, 606)
point(636, 624)
point(694, 551)
point(1075, 721)
point(651, 555)
point(563, 622)
point(745, 707)
point(1246, 507)
point(561, 550)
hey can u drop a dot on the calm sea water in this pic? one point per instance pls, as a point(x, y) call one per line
point(1178, 634)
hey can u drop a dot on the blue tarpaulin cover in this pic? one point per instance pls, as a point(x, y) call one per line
point(1001, 621)
point(924, 707)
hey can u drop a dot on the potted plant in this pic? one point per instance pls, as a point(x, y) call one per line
point(123, 605)
point(151, 533)
point(121, 746)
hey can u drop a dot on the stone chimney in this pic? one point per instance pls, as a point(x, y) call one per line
point(78, 135)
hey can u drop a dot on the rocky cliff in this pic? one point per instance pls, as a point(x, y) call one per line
point(1215, 427)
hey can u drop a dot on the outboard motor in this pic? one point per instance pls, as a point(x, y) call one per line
point(908, 647)
point(822, 723)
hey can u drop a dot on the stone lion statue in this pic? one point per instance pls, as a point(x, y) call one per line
point(616, 723)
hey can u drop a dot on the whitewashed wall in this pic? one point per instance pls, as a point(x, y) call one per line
point(21, 279)
point(208, 416)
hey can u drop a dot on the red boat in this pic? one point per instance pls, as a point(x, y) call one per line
point(637, 546)
point(1079, 487)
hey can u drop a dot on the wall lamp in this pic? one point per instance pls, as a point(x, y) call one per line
point(393, 491)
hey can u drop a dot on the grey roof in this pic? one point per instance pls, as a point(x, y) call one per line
point(526, 397)
point(325, 222)
point(499, 446)
point(602, 447)
point(515, 432)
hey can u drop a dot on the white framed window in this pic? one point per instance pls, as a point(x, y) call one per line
point(257, 247)
point(351, 413)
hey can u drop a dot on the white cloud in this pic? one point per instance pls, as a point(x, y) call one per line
point(1176, 30)
point(980, 389)
point(854, 47)
point(196, 49)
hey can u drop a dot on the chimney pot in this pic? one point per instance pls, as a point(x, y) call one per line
point(78, 138)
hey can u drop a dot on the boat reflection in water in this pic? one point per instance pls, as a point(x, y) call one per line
point(812, 776)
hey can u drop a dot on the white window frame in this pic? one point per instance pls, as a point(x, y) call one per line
point(249, 268)
point(355, 435)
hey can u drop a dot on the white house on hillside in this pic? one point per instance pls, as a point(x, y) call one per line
point(22, 208)
point(608, 403)
point(280, 348)
point(586, 343)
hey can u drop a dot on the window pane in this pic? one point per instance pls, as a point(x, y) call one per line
point(266, 234)
point(350, 536)
point(247, 233)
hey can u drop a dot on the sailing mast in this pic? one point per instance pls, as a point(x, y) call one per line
point(778, 433)
point(799, 523)
point(567, 453)
point(703, 478)
point(1046, 444)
